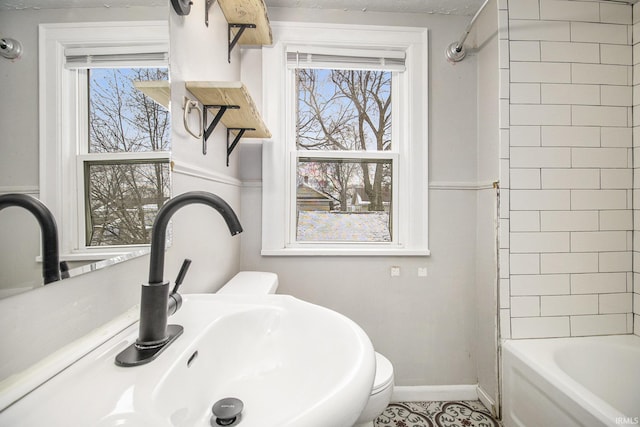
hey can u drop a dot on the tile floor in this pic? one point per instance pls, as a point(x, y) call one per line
point(436, 414)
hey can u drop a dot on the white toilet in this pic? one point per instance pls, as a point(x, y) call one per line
point(257, 282)
point(380, 394)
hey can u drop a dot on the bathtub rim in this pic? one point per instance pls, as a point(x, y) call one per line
point(537, 355)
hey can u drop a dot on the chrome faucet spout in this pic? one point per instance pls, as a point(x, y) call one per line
point(155, 305)
point(48, 229)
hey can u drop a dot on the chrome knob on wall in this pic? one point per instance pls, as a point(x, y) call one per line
point(10, 48)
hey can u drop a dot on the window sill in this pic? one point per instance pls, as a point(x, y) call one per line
point(101, 256)
point(316, 251)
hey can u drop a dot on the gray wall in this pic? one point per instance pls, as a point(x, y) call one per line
point(425, 326)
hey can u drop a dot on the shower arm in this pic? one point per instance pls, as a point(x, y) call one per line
point(455, 51)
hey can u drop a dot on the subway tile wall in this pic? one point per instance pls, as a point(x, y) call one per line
point(567, 94)
point(635, 303)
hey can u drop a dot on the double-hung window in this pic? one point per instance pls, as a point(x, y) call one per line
point(346, 172)
point(105, 146)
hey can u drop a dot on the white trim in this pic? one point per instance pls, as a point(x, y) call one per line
point(58, 93)
point(444, 185)
point(411, 237)
point(198, 172)
point(434, 393)
point(487, 400)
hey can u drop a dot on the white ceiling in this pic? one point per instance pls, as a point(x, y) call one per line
point(454, 7)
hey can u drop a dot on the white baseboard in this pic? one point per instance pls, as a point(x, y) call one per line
point(487, 401)
point(436, 393)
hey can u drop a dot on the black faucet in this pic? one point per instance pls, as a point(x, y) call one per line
point(156, 304)
point(50, 255)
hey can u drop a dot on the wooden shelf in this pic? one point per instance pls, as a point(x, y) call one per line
point(159, 91)
point(231, 94)
point(249, 12)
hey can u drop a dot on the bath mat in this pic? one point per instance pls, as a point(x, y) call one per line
point(436, 414)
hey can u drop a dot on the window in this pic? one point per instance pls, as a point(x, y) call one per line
point(105, 168)
point(345, 173)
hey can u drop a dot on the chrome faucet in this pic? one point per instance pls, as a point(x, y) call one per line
point(48, 229)
point(156, 303)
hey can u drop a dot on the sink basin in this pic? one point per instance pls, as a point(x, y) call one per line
point(290, 362)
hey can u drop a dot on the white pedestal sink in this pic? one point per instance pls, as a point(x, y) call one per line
point(290, 362)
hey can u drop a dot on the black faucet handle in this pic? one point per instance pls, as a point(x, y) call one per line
point(181, 274)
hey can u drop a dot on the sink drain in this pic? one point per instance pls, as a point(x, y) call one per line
point(227, 412)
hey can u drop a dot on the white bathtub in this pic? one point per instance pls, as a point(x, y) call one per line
point(590, 381)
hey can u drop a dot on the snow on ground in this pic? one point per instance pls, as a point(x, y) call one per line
point(343, 226)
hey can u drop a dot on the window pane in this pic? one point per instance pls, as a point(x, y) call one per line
point(123, 119)
point(343, 200)
point(343, 110)
point(122, 200)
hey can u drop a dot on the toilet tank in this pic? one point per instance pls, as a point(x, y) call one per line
point(251, 283)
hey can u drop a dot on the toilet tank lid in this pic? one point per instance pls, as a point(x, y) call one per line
point(251, 283)
point(384, 373)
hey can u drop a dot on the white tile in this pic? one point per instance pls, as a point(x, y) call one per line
point(540, 284)
point(540, 30)
point(505, 321)
point(569, 10)
point(569, 220)
point(503, 233)
point(503, 24)
point(601, 324)
point(598, 241)
point(524, 9)
point(599, 157)
point(616, 178)
point(571, 136)
point(558, 305)
point(503, 108)
point(570, 52)
point(635, 14)
point(539, 157)
point(543, 199)
point(616, 54)
point(525, 93)
point(597, 199)
point(540, 327)
point(615, 13)
point(524, 50)
point(525, 178)
point(603, 74)
point(635, 90)
point(570, 178)
point(544, 115)
point(616, 137)
point(540, 242)
point(616, 96)
point(504, 56)
point(505, 292)
point(546, 72)
point(598, 283)
point(570, 94)
point(525, 136)
point(569, 263)
point(524, 264)
point(583, 115)
point(599, 33)
point(615, 261)
point(504, 263)
point(616, 220)
point(636, 53)
point(616, 303)
point(524, 221)
point(504, 84)
point(525, 306)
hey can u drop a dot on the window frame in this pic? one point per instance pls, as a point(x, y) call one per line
point(63, 132)
point(409, 151)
